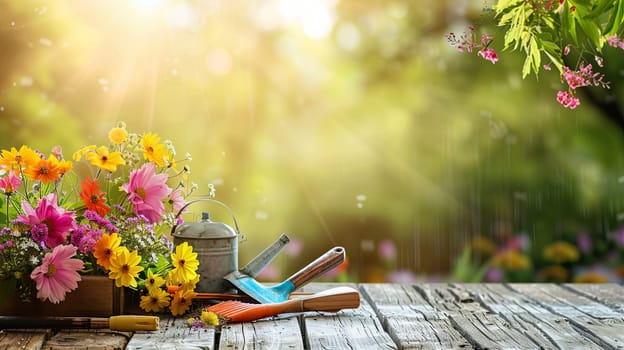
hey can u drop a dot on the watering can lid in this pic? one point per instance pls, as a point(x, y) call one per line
point(204, 229)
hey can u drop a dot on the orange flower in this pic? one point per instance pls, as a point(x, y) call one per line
point(182, 300)
point(92, 197)
point(63, 165)
point(105, 248)
point(45, 170)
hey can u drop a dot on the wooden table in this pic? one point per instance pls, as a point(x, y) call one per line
point(394, 316)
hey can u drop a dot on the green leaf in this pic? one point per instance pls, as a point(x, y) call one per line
point(526, 67)
point(568, 23)
point(536, 57)
point(603, 6)
point(504, 5)
point(466, 270)
point(616, 19)
point(592, 30)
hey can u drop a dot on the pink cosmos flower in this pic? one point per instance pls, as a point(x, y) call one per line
point(176, 199)
point(10, 183)
point(567, 99)
point(50, 224)
point(146, 191)
point(489, 54)
point(57, 274)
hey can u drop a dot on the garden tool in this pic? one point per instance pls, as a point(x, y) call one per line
point(331, 300)
point(216, 245)
point(124, 323)
point(280, 292)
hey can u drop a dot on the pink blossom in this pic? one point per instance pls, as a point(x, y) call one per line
point(57, 274)
point(489, 54)
point(547, 67)
point(567, 99)
point(566, 50)
point(576, 79)
point(176, 199)
point(146, 191)
point(50, 224)
point(10, 183)
point(613, 41)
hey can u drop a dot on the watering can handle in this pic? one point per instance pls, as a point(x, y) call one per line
point(206, 200)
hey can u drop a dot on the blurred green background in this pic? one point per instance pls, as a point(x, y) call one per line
point(338, 122)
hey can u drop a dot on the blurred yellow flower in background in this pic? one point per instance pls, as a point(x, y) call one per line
point(511, 260)
point(561, 252)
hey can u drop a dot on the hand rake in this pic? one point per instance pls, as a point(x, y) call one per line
point(331, 300)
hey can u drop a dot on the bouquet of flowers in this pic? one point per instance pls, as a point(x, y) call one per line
point(107, 211)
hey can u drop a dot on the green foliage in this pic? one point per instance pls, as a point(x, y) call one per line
point(546, 27)
point(467, 269)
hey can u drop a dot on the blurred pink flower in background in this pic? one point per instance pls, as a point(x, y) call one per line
point(294, 248)
point(387, 249)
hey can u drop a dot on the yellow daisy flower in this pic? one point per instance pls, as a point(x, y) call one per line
point(15, 159)
point(153, 150)
point(185, 263)
point(153, 282)
point(124, 267)
point(118, 135)
point(155, 301)
point(81, 152)
point(209, 318)
point(105, 160)
point(182, 300)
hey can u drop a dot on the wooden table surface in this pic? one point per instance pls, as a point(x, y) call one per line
point(394, 316)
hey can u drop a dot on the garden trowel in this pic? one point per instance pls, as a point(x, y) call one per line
point(278, 293)
point(265, 257)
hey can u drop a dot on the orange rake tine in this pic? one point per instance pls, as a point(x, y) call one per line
point(331, 300)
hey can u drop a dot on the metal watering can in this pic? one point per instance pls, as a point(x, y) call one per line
point(216, 245)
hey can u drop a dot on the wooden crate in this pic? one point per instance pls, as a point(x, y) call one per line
point(96, 296)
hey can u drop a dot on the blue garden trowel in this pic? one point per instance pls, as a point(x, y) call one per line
point(278, 293)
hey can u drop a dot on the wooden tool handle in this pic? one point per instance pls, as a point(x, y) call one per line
point(332, 300)
point(324, 263)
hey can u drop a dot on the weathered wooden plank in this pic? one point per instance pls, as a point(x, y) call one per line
point(174, 333)
point(87, 339)
point(610, 294)
point(347, 329)
point(542, 326)
point(596, 321)
point(23, 340)
point(268, 333)
point(410, 320)
point(477, 324)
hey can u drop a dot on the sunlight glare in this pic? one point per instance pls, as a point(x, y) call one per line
point(315, 17)
point(148, 5)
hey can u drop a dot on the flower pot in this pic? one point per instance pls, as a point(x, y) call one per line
point(96, 296)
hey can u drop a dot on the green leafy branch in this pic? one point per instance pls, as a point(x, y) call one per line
point(551, 27)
